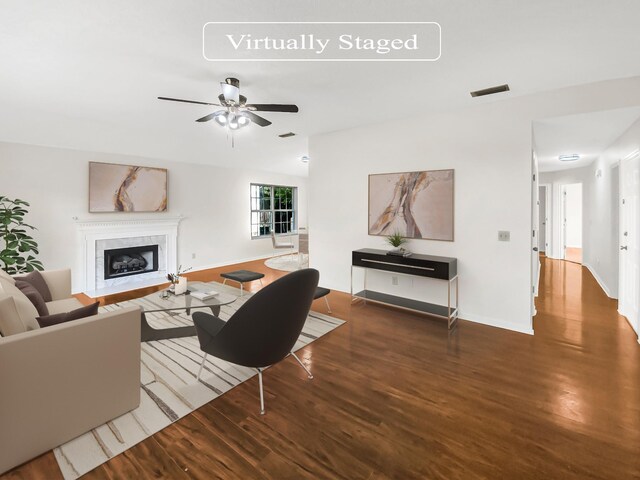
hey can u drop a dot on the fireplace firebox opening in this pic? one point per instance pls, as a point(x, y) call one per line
point(123, 262)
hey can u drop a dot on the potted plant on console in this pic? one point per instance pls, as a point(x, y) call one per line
point(396, 240)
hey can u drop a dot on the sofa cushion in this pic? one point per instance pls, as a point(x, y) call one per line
point(10, 321)
point(36, 279)
point(64, 305)
point(34, 296)
point(78, 313)
point(26, 311)
point(5, 276)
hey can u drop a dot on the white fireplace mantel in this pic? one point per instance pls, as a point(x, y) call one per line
point(91, 231)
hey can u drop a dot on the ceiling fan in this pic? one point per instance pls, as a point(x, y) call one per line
point(237, 113)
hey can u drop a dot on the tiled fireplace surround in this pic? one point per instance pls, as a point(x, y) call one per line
point(96, 236)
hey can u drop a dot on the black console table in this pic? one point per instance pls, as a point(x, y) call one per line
point(441, 268)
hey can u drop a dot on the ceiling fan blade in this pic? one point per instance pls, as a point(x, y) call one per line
point(206, 118)
point(230, 92)
point(188, 101)
point(272, 107)
point(258, 120)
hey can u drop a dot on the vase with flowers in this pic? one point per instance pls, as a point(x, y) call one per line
point(178, 282)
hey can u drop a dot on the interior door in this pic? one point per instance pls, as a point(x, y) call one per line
point(629, 289)
point(542, 209)
point(535, 257)
point(563, 231)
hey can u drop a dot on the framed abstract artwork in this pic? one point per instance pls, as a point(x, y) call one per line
point(126, 188)
point(416, 204)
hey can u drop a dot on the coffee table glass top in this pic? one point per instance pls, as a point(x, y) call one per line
point(155, 302)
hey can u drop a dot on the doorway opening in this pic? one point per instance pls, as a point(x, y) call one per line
point(571, 232)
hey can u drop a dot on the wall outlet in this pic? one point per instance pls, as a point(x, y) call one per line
point(394, 280)
point(193, 256)
point(504, 236)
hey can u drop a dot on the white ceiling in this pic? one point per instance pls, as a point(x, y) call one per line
point(587, 134)
point(86, 74)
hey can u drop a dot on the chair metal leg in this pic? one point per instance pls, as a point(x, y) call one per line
point(204, 359)
point(302, 365)
point(326, 300)
point(241, 288)
point(261, 284)
point(261, 391)
point(224, 282)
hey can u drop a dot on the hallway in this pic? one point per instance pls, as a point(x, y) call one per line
point(592, 353)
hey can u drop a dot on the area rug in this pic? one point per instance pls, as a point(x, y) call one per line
point(169, 389)
point(288, 263)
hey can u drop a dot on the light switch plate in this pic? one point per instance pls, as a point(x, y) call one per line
point(504, 236)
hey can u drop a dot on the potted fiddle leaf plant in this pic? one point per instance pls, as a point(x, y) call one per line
point(17, 247)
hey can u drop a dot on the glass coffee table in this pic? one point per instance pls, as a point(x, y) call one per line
point(158, 302)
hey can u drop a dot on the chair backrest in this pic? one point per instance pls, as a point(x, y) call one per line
point(264, 330)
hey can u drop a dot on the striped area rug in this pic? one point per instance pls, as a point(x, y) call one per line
point(169, 389)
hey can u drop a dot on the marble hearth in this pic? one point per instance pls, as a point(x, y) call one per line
point(97, 236)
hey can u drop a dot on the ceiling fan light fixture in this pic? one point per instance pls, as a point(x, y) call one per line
point(221, 118)
point(243, 120)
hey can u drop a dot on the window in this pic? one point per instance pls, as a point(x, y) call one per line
point(273, 208)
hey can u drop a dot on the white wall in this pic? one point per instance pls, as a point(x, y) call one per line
point(573, 215)
point(602, 257)
point(214, 202)
point(489, 146)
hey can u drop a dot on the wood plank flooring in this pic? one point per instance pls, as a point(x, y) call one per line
point(397, 396)
point(572, 254)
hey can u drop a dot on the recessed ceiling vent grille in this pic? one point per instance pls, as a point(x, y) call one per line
point(288, 134)
point(490, 90)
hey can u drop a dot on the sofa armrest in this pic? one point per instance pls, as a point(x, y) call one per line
point(62, 381)
point(59, 283)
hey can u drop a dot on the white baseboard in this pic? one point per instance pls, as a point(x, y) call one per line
point(630, 324)
point(492, 322)
point(603, 285)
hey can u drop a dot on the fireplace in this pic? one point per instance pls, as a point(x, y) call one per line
point(127, 261)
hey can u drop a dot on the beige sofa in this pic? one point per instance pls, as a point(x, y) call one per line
point(59, 382)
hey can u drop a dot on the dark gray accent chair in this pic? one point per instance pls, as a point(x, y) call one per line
point(265, 329)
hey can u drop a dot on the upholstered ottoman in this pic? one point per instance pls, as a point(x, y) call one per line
point(241, 277)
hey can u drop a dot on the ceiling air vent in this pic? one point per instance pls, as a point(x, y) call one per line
point(490, 90)
point(285, 135)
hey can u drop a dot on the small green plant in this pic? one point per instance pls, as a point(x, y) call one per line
point(17, 246)
point(396, 239)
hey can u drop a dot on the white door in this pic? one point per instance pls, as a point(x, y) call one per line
point(629, 288)
point(535, 257)
point(542, 220)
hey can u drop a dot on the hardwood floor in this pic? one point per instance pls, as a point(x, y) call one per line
point(573, 254)
point(398, 396)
